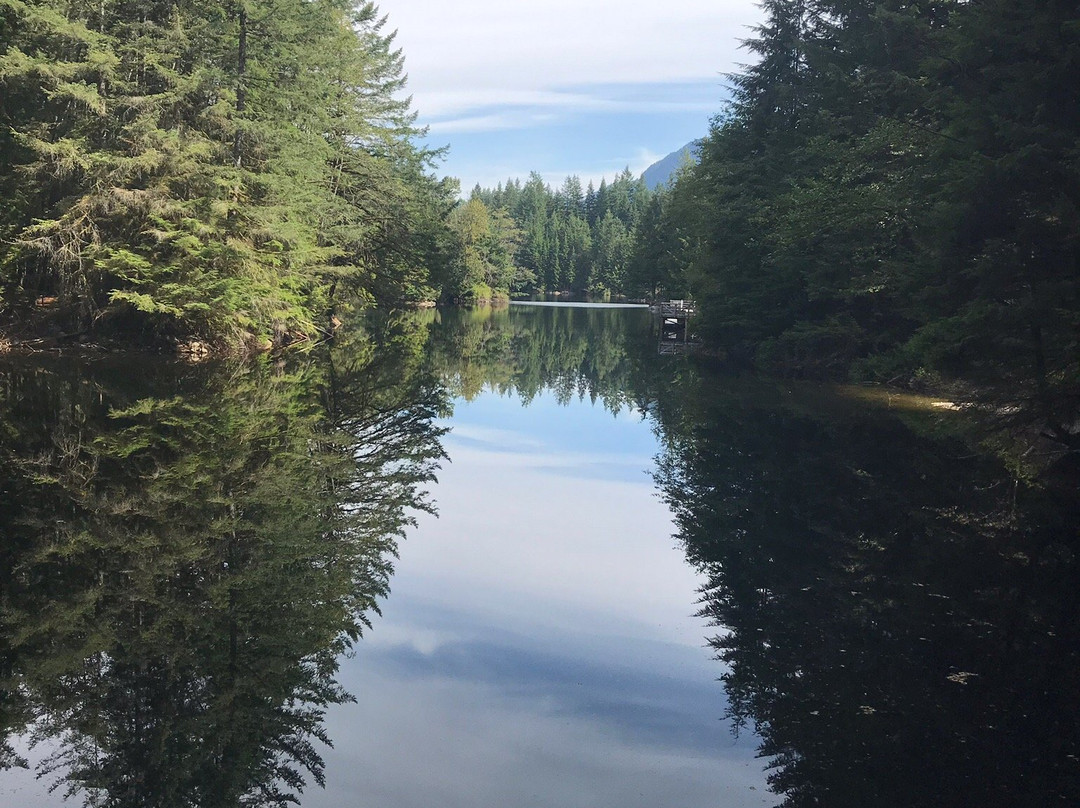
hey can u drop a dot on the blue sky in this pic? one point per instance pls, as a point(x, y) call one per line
point(585, 87)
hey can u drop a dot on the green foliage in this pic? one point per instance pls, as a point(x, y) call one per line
point(600, 353)
point(571, 240)
point(483, 267)
point(220, 171)
point(893, 188)
point(895, 609)
point(191, 551)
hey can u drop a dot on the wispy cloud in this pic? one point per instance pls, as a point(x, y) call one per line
point(454, 102)
point(477, 52)
point(644, 98)
point(504, 84)
point(495, 122)
point(491, 45)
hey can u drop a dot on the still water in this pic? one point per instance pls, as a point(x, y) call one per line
point(649, 582)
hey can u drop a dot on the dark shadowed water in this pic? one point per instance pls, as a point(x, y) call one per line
point(650, 582)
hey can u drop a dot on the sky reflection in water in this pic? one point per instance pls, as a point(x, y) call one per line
point(539, 645)
point(901, 605)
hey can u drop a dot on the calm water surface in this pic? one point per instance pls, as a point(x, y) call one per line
point(211, 572)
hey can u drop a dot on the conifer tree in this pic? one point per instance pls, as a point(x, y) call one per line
point(210, 170)
point(892, 193)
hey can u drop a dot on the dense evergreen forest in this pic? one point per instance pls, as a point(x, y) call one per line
point(894, 194)
point(230, 172)
point(570, 239)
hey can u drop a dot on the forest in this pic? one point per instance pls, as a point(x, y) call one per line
point(570, 239)
point(891, 194)
point(230, 172)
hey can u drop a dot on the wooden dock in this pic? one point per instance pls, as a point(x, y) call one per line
point(674, 317)
point(674, 308)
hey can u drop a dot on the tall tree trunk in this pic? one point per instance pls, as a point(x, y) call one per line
point(241, 89)
point(101, 30)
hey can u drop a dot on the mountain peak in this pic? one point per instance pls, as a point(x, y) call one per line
point(661, 172)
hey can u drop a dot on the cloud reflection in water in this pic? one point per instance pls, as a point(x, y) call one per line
point(538, 647)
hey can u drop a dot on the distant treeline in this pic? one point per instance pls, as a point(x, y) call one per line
point(569, 239)
point(894, 190)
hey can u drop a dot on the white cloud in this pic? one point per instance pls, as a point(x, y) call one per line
point(637, 162)
point(565, 86)
point(495, 122)
point(522, 109)
point(523, 100)
point(471, 54)
point(453, 101)
point(644, 159)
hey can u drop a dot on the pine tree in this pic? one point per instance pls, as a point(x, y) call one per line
point(203, 169)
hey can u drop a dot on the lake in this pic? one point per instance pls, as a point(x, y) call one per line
point(516, 557)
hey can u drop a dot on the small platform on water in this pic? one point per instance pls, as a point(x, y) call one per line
point(674, 317)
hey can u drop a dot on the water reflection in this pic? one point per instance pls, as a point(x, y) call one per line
point(585, 351)
point(899, 609)
point(187, 553)
point(540, 646)
point(897, 597)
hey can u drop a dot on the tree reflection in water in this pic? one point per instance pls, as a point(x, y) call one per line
point(899, 611)
point(188, 550)
point(603, 354)
point(898, 607)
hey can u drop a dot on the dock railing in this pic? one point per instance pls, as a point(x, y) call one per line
point(676, 308)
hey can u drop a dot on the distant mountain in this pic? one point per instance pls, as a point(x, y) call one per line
point(660, 172)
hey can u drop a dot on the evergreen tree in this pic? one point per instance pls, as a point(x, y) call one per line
point(487, 242)
point(573, 199)
point(199, 169)
point(891, 193)
point(563, 248)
